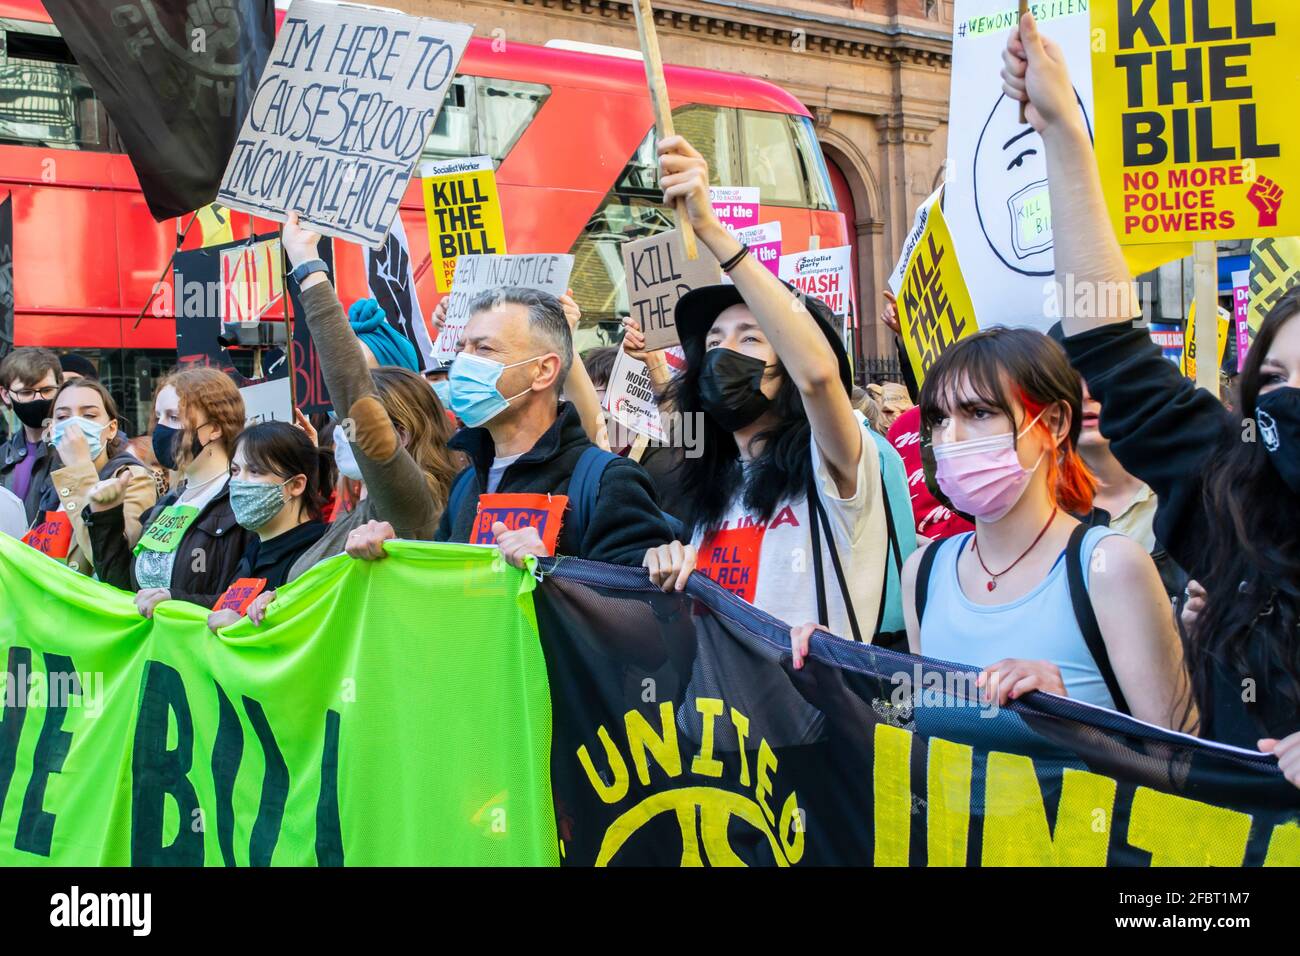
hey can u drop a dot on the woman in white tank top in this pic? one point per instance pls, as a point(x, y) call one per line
point(1002, 411)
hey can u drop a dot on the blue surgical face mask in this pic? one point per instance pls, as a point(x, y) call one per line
point(345, 457)
point(442, 388)
point(472, 386)
point(94, 432)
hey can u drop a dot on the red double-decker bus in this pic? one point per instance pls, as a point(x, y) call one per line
point(571, 133)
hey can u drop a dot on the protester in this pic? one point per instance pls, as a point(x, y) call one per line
point(521, 438)
point(786, 469)
point(381, 343)
point(77, 366)
point(191, 543)
point(1227, 486)
point(29, 378)
point(933, 519)
point(867, 409)
point(892, 399)
point(275, 493)
point(1035, 599)
point(90, 449)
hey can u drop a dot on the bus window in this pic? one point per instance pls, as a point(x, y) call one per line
point(771, 161)
point(505, 108)
point(453, 130)
point(821, 194)
point(45, 99)
point(711, 130)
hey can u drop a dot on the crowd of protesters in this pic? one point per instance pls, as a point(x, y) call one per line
point(1064, 512)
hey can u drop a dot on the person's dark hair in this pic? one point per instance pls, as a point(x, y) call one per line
point(119, 443)
point(545, 318)
point(1001, 364)
point(779, 475)
point(286, 451)
point(599, 363)
point(78, 365)
point(29, 364)
point(1251, 620)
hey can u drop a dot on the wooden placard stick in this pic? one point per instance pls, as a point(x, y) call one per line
point(654, 75)
point(1024, 8)
point(1205, 331)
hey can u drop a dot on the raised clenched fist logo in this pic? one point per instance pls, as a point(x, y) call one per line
point(1266, 196)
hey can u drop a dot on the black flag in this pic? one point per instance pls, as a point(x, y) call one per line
point(176, 77)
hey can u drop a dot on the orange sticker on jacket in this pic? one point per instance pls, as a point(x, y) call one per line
point(730, 558)
point(515, 511)
point(53, 536)
point(240, 594)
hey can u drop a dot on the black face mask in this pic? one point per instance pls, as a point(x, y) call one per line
point(164, 446)
point(34, 413)
point(730, 388)
point(1278, 415)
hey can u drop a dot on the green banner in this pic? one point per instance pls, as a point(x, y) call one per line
point(387, 713)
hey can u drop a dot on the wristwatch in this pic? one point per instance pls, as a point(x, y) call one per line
point(307, 268)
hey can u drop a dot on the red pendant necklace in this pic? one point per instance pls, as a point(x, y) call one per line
point(993, 578)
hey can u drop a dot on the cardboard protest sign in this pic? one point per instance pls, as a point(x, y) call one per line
point(391, 279)
point(544, 271)
point(764, 243)
point(658, 274)
point(252, 280)
point(1241, 314)
point(914, 235)
point(630, 399)
point(825, 274)
point(463, 208)
point(515, 511)
point(1274, 269)
point(269, 401)
point(934, 304)
point(340, 116)
point(1195, 131)
point(735, 206)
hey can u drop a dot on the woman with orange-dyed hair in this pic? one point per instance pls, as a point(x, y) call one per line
point(1035, 599)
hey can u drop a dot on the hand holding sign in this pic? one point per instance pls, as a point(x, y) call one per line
point(517, 545)
point(1034, 72)
point(300, 244)
point(684, 175)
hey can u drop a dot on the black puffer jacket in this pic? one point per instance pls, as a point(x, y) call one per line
point(207, 557)
point(625, 523)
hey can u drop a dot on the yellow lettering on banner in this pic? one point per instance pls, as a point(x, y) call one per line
point(1177, 831)
point(641, 739)
point(891, 775)
point(705, 764)
point(463, 211)
point(766, 767)
point(1274, 270)
point(792, 827)
point(1284, 846)
point(934, 305)
point(948, 802)
point(613, 792)
point(1015, 818)
point(1194, 130)
point(741, 723)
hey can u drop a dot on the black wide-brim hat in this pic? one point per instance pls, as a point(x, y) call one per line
point(697, 310)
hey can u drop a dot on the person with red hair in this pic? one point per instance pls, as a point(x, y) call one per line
point(1033, 597)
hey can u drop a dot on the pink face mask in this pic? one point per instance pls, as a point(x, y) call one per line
point(983, 477)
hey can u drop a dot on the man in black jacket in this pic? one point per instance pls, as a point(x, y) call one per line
point(522, 439)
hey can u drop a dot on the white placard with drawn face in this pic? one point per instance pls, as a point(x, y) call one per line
point(996, 200)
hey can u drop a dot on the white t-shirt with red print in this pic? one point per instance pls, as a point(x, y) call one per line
point(771, 565)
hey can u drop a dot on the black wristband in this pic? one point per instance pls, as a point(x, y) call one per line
point(736, 259)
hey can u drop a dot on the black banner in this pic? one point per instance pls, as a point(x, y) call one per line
point(176, 78)
point(683, 736)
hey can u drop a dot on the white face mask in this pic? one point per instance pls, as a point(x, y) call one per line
point(345, 458)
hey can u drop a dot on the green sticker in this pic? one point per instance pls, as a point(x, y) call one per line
point(166, 531)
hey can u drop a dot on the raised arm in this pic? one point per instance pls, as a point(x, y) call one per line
point(793, 333)
point(578, 387)
point(1034, 72)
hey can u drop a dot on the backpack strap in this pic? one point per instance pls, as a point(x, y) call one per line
point(584, 487)
point(817, 517)
point(893, 546)
point(922, 587)
point(1086, 618)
